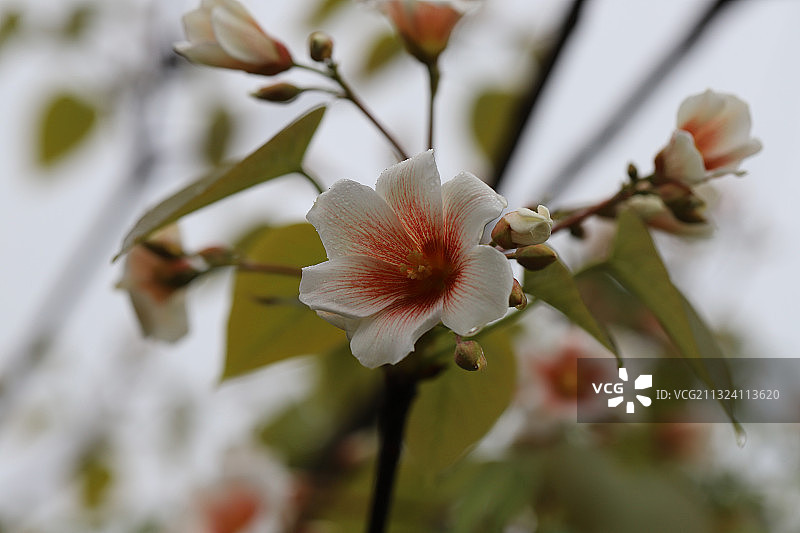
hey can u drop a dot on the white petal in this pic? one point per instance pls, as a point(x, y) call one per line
point(413, 190)
point(729, 161)
point(236, 8)
point(242, 38)
point(680, 159)
point(700, 108)
point(389, 336)
point(730, 129)
point(355, 286)
point(208, 54)
point(352, 219)
point(167, 320)
point(469, 204)
point(349, 325)
point(197, 25)
point(480, 293)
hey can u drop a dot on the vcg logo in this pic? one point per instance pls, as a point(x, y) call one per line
point(644, 381)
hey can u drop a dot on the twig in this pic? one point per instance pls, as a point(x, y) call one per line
point(630, 105)
point(528, 103)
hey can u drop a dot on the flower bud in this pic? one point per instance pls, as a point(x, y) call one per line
point(523, 227)
point(469, 356)
point(424, 26)
point(221, 33)
point(156, 274)
point(320, 46)
point(517, 298)
point(279, 92)
point(535, 257)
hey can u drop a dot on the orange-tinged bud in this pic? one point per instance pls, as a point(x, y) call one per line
point(424, 27)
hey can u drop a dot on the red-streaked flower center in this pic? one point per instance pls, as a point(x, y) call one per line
point(429, 272)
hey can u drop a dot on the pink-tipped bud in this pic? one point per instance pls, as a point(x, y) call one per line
point(221, 33)
point(279, 92)
point(424, 27)
point(320, 46)
point(517, 298)
point(469, 356)
point(535, 257)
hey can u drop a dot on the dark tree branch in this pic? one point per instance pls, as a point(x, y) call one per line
point(630, 105)
point(528, 102)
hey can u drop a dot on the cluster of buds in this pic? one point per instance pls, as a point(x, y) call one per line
point(526, 231)
point(711, 140)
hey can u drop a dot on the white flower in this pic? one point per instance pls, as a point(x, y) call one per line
point(404, 257)
point(156, 285)
point(221, 33)
point(712, 139)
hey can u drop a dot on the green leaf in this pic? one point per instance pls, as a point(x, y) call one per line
point(10, 25)
point(599, 493)
point(65, 122)
point(385, 48)
point(493, 494)
point(636, 265)
point(218, 136)
point(457, 408)
point(281, 155)
point(491, 114)
point(324, 10)
point(267, 322)
point(555, 286)
point(79, 20)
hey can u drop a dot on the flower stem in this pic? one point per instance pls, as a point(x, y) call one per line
point(577, 217)
point(433, 77)
point(400, 392)
point(350, 95)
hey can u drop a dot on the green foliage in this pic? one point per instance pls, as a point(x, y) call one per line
point(217, 136)
point(10, 25)
point(324, 10)
point(345, 396)
point(454, 410)
point(555, 285)
point(636, 266)
point(96, 477)
point(491, 114)
point(65, 122)
point(79, 21)
point(593, 492)
point(281, 155)
point(493, 494)
point(267, 322)
point(383, 50)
